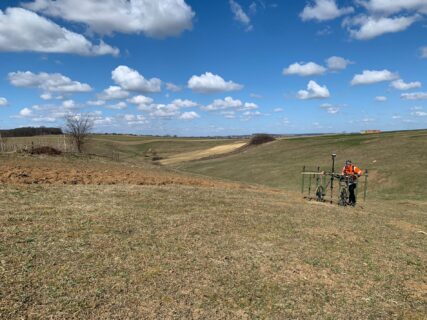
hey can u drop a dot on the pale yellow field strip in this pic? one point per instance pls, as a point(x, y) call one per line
point(200, 154)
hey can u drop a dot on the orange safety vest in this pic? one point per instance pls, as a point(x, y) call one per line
point(351, 170)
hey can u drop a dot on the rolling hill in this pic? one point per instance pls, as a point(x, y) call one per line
point(88, 237)
point(395, 161)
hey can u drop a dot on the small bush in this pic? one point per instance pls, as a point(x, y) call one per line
point(45, 150)
point(260, 139)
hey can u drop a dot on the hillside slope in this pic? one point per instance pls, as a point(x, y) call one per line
point(85, 237)
point(190, 252)
point(396, 162)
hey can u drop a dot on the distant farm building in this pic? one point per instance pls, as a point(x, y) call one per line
point(369, 131)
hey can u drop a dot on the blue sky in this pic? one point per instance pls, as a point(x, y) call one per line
point(198, 67)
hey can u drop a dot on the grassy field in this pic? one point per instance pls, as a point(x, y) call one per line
point(192, 252)
point(125, 147)
point(395, 161)
point(87, 237)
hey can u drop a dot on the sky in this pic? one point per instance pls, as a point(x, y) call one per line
point(223, 67)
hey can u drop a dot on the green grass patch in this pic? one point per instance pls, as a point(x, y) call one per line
point(394, 161)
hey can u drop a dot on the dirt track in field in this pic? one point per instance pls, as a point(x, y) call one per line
point(201, 154)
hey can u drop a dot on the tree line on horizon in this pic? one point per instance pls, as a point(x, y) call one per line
point(30, 132)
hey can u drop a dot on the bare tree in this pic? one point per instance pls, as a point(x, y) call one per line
point(78, 128)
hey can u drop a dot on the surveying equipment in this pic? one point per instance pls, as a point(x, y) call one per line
point(334, 155)
point(320, 181)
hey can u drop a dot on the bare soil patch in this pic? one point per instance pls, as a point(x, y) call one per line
point(203, 154)
point(417, 289)
point(52, 171)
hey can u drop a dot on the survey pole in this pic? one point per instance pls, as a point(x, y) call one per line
point(332, 175)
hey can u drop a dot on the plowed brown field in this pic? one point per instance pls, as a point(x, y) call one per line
point(39, 170)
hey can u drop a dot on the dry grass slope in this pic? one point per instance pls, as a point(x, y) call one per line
point(90, 238)
point(206, 253)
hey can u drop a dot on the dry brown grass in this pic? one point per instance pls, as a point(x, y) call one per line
point(140, 241)
point(180, 251)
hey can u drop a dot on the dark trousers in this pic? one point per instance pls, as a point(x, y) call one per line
point(352, 198)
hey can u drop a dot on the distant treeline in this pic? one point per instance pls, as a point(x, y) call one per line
point(29, 132)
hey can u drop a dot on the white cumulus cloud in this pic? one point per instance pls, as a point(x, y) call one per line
point(424, 52)
point(180, 103)
point(48, 82)
point(228, 114)
point(249, 106)
point(140, 100)
point(113, 93)
point(250, 114)
point(373, 76)
point(402, 85)
point(221, 104)
point(118, 106)
point(3, 102)
point(322, 10)
point(46, 96)
point(23, 30)
point(368, 27)
point(331, 109)
point(159, 18)
point(69, 104)
point(135, 119)
point(380, 98)
point(132, 80)
point(211, 83)
point(26, 112)
point(44, 119)
point(164, 110)
point(314, 91)
point(191, 115)
point(168, 111)
point(173, 87)
point(307, 69)
point(395, 6)
point(419, 114)
point(335, 63)
point(96, 103)
point(414, 96)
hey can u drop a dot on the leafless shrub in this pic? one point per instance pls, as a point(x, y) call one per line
point(78, 129)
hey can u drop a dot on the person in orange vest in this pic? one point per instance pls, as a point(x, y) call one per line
point(350, 170)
